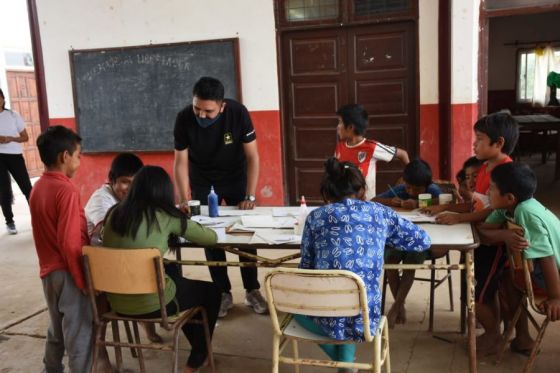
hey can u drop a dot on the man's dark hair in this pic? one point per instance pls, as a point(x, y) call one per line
point(341, 180)
point(498, 125)
point(418, 173)
point(208, 88)
point(124, 164)
point(56, 140)
point(354, 115)
point(472, 162)
point(515, 178)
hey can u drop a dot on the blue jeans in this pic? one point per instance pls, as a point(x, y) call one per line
point(343, 352)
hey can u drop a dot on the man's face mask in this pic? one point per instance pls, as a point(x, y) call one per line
point(207, 122)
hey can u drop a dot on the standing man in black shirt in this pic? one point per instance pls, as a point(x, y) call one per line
point(215, 145)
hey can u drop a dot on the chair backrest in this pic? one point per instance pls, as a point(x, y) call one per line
point(519, 263)
point(323, 293)
point(123, 271)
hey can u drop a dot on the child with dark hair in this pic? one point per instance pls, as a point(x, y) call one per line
point(511, 196)
point(59, 231)
point(353, 146)
point(417, 176)
point(122, 171)
point(146, 218)
point(123, 168)
point(466, 179)
point(496, 137)
point(349, 233)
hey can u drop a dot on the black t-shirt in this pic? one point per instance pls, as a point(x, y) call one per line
point(216, 154)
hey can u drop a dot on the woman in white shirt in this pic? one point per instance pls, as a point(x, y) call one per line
point(12, 134)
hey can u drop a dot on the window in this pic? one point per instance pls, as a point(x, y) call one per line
point(309, 10)
point(371, 7)
point(526, 73)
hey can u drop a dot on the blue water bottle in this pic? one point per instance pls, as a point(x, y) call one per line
point(212, 203)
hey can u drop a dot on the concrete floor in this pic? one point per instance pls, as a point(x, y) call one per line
point(242, 340)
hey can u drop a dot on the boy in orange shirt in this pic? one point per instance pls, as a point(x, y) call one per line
point(496, 137)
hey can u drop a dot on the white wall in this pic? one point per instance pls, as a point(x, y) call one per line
point(464, 54)
point(14, 36)
point(428, 49)
point(14, 25)
point(84, 24)
point(502, 59)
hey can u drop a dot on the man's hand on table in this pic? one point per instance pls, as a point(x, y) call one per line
point(246, 205)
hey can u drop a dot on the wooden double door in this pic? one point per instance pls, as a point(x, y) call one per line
point(23, 99)
point(373, 65)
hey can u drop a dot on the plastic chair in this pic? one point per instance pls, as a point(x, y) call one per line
point(518, 262)
point(434, 284)
point(323, 293)
point(135, 271)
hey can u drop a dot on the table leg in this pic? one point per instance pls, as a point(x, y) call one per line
point(469, 271)
point(178, 257)
point(557, 162)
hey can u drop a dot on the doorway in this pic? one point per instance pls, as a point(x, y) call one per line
point(373, 65)
point(23, 99)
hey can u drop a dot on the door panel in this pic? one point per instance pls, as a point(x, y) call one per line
point(316, 86)
point(23, 99)
point(372, 65)
point(383, 77)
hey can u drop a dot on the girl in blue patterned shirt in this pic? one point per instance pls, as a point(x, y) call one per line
point(349, 233)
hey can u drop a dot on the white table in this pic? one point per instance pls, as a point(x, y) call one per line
point(459, 237)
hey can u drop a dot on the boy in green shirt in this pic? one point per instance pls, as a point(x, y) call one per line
point(511, 196)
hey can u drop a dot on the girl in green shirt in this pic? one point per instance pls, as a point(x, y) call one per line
point(146, 217)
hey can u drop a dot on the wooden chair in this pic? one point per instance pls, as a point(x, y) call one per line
point(134, 271)
point(528, 299)
point(323, 293)
point(434, 284)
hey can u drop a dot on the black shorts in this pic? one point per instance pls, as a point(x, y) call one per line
point(489, 262)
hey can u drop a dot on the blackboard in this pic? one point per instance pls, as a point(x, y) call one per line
point(126, 99)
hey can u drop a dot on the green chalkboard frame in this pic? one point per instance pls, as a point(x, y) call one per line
point(96, 136)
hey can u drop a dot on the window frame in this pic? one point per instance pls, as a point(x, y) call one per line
point(519, 53)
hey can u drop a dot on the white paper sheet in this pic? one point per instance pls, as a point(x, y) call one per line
point(416, 216)
point(266, 221)
point(274, 237)
point(211, 222)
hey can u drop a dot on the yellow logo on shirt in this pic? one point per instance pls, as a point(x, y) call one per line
point(228, 138)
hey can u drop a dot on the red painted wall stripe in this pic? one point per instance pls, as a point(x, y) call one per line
point(270, 189)
point(429, 136)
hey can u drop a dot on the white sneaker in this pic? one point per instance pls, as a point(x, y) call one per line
point(255, 300)
point(11, 227)
point(226, 304)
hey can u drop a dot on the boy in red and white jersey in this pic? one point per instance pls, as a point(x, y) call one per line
point(355, 148)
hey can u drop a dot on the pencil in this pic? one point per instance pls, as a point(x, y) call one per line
point(393, 191)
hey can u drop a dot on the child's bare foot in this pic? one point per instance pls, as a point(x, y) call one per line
point(189, 369)
point(488, 344)
point(401, 317)
point(522, 345)
point(150, 330)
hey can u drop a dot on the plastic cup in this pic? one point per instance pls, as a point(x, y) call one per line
point(194, 206)
point(445, 198)
point(424, 200)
